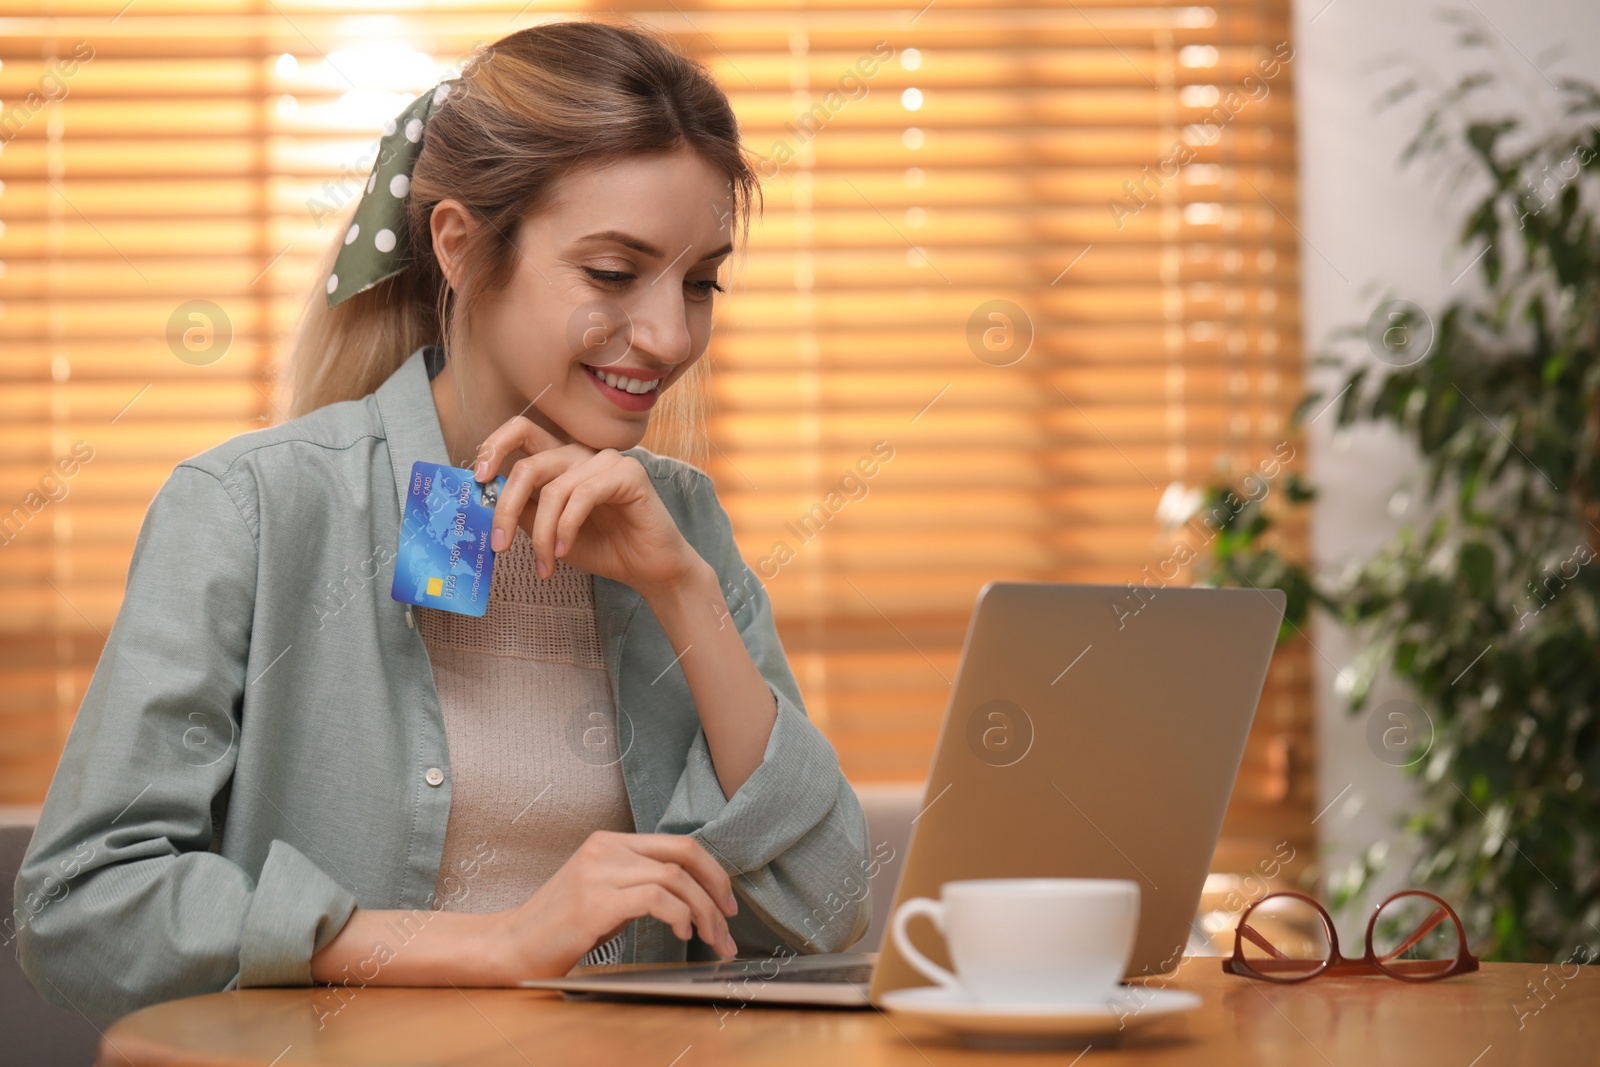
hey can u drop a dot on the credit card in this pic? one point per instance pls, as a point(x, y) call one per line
point(444, 559)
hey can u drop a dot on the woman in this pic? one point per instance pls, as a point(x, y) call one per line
point(282, 774)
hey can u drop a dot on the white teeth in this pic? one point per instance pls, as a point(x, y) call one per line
point(625, 383)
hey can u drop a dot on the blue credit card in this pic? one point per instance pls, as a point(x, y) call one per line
point(444, 559)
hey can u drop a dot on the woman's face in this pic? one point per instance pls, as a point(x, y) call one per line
point(609, 302)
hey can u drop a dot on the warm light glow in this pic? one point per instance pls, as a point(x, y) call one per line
point(386, 76)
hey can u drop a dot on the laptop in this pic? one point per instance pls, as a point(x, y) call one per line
point(1092, 731)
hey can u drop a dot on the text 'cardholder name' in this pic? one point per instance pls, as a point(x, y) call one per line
point(445, 560)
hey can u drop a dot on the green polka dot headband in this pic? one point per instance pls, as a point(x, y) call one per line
point(377, 246)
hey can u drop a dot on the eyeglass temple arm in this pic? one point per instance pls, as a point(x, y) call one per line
point(1249, 931)
point(1421, 932)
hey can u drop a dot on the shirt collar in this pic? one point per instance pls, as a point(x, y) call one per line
point(410, 420)
point(411, 424)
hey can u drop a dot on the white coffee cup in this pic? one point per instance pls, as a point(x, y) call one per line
point(1028, 941)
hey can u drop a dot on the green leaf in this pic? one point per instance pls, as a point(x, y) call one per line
point(1482, 137)
point(1505, 415)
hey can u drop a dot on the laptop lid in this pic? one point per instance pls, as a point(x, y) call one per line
point(1093, 731)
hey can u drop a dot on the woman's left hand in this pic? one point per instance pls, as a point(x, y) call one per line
point(595, 509)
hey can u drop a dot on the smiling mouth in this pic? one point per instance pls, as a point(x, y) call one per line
point(625, 383)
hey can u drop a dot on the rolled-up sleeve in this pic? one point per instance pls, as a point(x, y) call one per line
point(793, 834)
point(121, 900)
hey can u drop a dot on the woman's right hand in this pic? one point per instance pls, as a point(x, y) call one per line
point(612, 879)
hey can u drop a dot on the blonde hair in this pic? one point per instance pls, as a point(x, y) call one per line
point(525, 110)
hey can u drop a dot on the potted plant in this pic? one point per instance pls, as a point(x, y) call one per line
point(1489, 606)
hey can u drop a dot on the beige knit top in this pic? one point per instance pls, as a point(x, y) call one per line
point(531, 731)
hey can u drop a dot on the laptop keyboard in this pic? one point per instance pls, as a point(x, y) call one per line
point(854, 973)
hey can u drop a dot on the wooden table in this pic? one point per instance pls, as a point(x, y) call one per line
point(1486, 1019)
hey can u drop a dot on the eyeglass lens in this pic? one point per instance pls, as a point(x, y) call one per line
point(1285, 937)
point(1414, 937)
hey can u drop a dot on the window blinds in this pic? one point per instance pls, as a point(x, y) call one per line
point(1022, 267)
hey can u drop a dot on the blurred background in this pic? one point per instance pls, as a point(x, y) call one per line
point(1056, 267)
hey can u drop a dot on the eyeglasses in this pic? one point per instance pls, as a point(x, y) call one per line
point(1289, 937)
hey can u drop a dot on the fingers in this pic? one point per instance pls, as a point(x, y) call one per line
point(518, 434)
point(683, 868)
point(687, 853)
point(547, 455)
point(611, 880)
point(654, 900)
point(690, 907)
point(566, 501)
point(528, 478)
point(624, 480)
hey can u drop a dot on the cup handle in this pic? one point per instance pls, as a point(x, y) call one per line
point(934, 910)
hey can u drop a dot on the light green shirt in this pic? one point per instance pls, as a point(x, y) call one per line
point(261, 748)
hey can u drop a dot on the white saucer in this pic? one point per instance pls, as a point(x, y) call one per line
point(1017, 1026)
